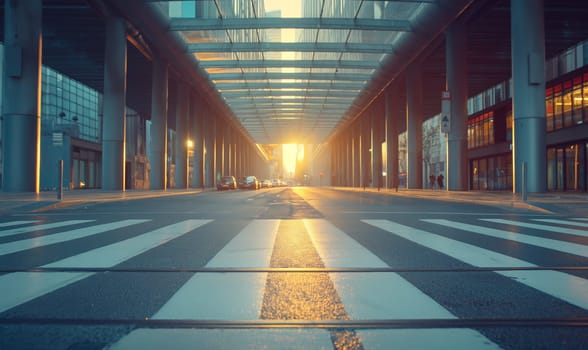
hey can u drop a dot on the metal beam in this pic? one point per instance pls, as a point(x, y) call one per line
point(279, 93)
point(310, 85)
point(198, 24)
point(293, 76)
point(294, 47)
point(347, 64)
point(294, 101)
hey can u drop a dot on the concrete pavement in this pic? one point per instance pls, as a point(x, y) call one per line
point(47, 200)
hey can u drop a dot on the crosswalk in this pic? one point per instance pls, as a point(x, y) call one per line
point(234, 286)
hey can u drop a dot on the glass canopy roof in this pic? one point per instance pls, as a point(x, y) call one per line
point(291, 69)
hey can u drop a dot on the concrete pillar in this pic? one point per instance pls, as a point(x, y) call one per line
point(216, 159)
point(198, 141)
point(392, 121)
point(364, 157)
point(348, 159)
point(376, 145)
point(182, 135)
point(209, 149)
point(114, 105)
point(456, 176)
point(158, 154)
point(21, 125)
point(230, 148)
point(414, 129)
point(528, 72)
point(355, 158)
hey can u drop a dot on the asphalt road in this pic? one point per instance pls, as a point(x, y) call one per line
point(292, 268)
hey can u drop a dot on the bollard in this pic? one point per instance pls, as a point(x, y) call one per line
point(60, 179)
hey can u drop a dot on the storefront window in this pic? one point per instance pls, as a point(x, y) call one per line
point(567, 104)
point(570, 164)
point(577, 101)
point(549, 109)
point(585, 100)
point(551, 170)
point(558, 108)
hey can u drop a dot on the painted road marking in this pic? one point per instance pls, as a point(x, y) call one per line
point(227, 295)
point(561, 285)
point(20, 287)
point(16, 223)
point(563, 222)
point(565, 247)
point(189, 339)
point(440, 338)
point(17, 246)
point(557, 229)
point(17, 231)
point(368, 296)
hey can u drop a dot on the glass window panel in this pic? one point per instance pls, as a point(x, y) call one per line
point(577, 102)
point(373, 36)
point(558, 111)
point(549, 108)
point(333, 36)
point(328, 56)
point(567, 107)
point(585, 101)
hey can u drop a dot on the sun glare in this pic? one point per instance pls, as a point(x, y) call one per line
point(289, 154)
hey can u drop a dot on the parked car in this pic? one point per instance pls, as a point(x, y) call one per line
point(266, 183)
point(249, 182)
point(227, 183)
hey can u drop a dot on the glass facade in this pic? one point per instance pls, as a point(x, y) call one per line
point(66, 101)
point(566, 102)
point(481, 130)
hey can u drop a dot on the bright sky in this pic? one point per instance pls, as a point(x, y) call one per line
point(289, 8)
point(289, 158)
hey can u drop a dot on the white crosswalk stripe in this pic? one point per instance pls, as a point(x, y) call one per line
point(65, 236)
point(565, 247)
point(558, 284)
point(17, 231)
point(238, 296)
point(16, 223)
point(21, 287)
point(563, 222)
point(223, 296)
point(539, 227)
point(226, 296)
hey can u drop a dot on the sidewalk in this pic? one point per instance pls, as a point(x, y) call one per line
point(47, 200)
point(562, 203)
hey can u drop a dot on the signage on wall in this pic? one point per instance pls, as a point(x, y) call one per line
point(445, 112)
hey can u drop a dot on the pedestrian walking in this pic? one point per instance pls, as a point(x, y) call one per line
point(440, 181)
point(432, 181)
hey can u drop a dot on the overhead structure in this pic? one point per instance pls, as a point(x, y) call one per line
point(296, 74)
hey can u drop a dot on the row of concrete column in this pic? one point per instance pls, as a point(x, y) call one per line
point(356, 152)
point(217, 147)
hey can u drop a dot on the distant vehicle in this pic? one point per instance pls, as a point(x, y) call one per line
point(227, 183)
point(266, 183)
point(249, 183)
